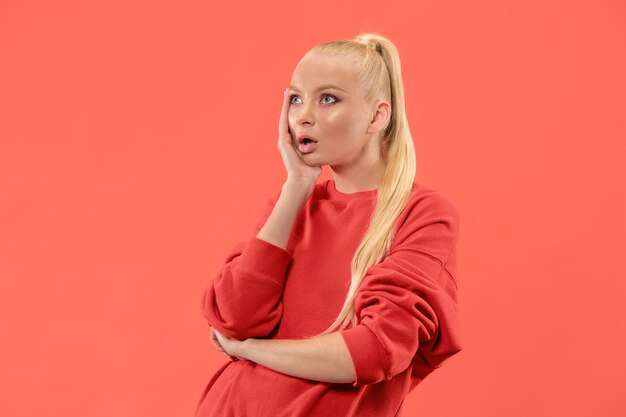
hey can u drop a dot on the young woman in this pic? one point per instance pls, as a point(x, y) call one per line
point(345, 298)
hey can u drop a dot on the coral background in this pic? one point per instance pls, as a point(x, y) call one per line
point(138, 144)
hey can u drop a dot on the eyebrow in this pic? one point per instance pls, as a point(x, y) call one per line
point(323, 87)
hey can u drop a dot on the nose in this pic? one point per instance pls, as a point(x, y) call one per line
point(304, 114)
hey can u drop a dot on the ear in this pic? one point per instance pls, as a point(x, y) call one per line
point(381, 114)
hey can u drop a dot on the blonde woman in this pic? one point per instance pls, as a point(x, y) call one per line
point(345, 298)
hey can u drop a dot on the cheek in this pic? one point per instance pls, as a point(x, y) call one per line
point(347, 129)
point(346, 125)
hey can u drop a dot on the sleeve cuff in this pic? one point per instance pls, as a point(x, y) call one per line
point(367, 355)
point(266, 259)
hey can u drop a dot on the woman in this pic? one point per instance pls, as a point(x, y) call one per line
point(345, 297)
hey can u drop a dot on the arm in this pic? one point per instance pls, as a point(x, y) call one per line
point(278, 227)
point(407, 305)
point(320, 358)
point(244, 299)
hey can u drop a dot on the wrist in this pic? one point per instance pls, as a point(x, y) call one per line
point(298, 187)
point(243, 349)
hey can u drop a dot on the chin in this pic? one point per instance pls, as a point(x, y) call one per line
point(309, 160)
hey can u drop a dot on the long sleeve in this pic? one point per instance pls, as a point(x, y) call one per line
point(407, 304)
point(244, 299)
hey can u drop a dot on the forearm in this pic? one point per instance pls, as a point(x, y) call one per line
point(321, 358)
point(279, 225)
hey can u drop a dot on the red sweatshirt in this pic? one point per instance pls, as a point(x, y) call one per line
point(406, 306)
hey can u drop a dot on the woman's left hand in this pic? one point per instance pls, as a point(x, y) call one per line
point(233, 347)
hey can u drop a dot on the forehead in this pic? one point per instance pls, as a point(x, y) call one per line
point(315, 70)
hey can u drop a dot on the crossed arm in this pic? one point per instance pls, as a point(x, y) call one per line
point(321, 358)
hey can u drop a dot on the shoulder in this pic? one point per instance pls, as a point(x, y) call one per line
point(425, 202)
point(429, 213)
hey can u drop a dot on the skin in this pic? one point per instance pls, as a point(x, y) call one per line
point(347, 128)
point(345, 124)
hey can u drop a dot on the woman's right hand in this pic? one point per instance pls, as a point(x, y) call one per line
point(297, 170)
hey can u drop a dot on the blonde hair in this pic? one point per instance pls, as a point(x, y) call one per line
point(377, 65)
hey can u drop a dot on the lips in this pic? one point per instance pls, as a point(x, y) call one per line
point(307, 147)
point(301, 139)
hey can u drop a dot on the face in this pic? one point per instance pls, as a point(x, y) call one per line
point(327, 103)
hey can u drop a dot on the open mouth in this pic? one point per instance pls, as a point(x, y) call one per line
point(305, 140)
point(307, 145)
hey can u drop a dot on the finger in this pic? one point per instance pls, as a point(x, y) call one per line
point(216, 342)
point(219, 347)
point(222, 350)
point(283, 122)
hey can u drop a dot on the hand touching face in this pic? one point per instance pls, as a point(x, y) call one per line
point(297, 168)
point(328, 102)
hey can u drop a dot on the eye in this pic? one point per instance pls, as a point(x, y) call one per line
point(330, 95)
point(323, 96)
